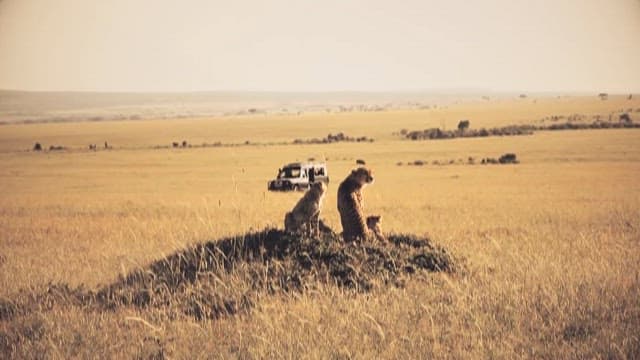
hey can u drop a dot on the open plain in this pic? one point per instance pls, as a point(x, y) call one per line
point(548, 248)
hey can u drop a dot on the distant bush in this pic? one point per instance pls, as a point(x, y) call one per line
point(436, 133)
point(333, 138)
point(572, 123)
point(509, 158)
point(594, 125)
point(37, 147)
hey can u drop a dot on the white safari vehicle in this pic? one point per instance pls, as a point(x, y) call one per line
point(299, 176)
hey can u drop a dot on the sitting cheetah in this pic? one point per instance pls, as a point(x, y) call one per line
point(350, 204)
point(305, 216)
point(373, 223)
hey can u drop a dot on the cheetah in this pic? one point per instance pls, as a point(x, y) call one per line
point(305, 216)
point(374, 224)
point(351, 206)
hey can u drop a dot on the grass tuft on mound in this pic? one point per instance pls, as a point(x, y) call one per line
point(228, 276)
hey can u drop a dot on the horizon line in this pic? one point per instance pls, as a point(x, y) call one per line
point(435, 91)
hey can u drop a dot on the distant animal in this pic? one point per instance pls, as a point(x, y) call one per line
point(305, 216)
point(351, 204)
point(374, 224)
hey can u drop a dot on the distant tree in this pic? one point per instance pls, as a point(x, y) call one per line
point(603, 96)
point(463, 125)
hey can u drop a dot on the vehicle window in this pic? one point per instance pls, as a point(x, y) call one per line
point(292, 172)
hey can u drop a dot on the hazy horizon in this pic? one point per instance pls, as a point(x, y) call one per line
point(438, 91)
point(288, 46)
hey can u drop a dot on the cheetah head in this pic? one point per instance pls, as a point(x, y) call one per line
point(373, 222)
point(362, 175)
point(319, 187)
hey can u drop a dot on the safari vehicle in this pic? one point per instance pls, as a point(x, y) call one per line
point(299, 176)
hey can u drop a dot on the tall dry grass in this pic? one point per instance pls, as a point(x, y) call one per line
point(551, 248)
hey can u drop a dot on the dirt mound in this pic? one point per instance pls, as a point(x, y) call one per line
point(228, 276)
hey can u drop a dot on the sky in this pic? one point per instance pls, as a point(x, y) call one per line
point(329, 45)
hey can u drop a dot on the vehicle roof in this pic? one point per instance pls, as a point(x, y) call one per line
point(301, 164)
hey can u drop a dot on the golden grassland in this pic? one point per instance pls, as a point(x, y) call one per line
point(286, 128)
point(551, 246)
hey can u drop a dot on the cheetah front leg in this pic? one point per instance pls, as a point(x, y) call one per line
point(315, 222)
